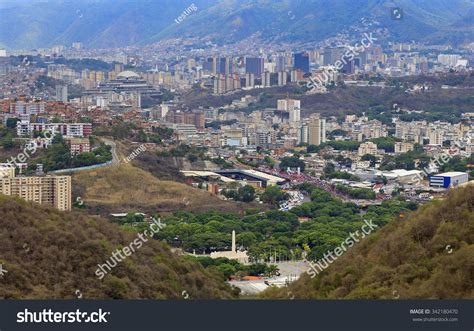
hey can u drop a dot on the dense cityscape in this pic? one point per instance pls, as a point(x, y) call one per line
point(258, 161)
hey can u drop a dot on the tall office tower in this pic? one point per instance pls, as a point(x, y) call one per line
point(266, 79)
point(327, 56)
point(376, 54)
point(250, 80)
point(293, 107)
point(254, 65)
point(214, 64)
point(50, 190)
point(219, 84)
point(295, 115)
point(195, 118)
point(224, 65)
point(364, 58)
point(314, 57)
point(349, 67)
point(423, 65)
point(288, 104)
point(61, 93)
point(302, 62)
point(303, 134)
point(332, 55)
point(316, 130)
point(280, 63)
point(208, 65)
point(293, 76)
point(119, 67)
point(282, 78)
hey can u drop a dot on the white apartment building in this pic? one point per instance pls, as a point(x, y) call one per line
point(316, 130)
point(403, 147)
point(367, 148)
point(68, 130)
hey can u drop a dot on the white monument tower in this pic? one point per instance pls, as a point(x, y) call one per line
point(242, 257)
point(234, 250)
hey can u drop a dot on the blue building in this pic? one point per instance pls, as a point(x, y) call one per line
point(254, 65)
point(449, 179)
point(302, 62)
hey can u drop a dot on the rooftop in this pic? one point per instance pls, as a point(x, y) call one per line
point(128, 74)
point(452, 174)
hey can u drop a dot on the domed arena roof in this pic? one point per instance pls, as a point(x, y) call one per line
point(128, 74)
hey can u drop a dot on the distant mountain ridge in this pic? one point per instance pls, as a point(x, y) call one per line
point(116, 23)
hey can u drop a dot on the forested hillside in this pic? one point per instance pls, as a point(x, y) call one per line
point(54, 255)
point(428, 254)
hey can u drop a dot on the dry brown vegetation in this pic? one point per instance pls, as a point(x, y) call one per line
point(50, 255)
point(409, 258)
point(125, 188)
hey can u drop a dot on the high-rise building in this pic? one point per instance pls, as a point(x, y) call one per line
point(282, 78)
point(332, 55)
point(280, 63)
point(376, 55)
point(219, 84)
point(293, 107)
point(303, 136)
point(302, 62)
point(287, 104)
point(208, 65)
point(295, 115)
point(250, 80)
point(266, 79)
point(349, 67)
point(449, 60)
point(224, 65)
point(61, 93)
point(50, 190)
point(254, 65)
point(316, 130)
point(118, 67)
point(293, 76)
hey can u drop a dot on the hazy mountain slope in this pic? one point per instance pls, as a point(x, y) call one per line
point(50, 254)
point(110, 23)
point(99, 23)
point(428, 254)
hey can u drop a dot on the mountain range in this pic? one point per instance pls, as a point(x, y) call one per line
point(117, 23)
